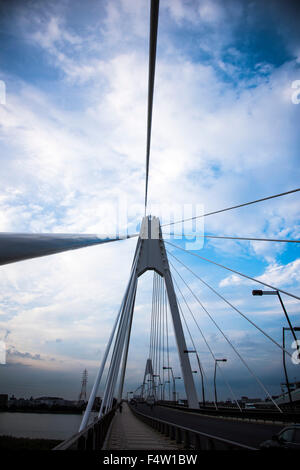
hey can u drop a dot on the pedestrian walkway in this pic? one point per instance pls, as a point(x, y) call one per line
point(128, 432)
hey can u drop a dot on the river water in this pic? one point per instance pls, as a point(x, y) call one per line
point(39, 425)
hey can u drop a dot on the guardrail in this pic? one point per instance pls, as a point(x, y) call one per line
point(190, 438)
point(92, 437)
point(258, 415)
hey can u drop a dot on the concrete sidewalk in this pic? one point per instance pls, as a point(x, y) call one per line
point(128, 432)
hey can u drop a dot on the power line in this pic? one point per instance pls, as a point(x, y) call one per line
point(233, 207)
point(152, 58)
point(234, 238)
point(231, 305)
point(234, 271)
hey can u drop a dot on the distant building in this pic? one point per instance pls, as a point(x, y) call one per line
point(3, 400)
point(54, 401)
point(250, 400)
point(50, 401)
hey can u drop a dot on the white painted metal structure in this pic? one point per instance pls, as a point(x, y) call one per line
point(150, 254)
point(148, 371)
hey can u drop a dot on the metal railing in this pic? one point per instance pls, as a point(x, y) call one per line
point(92, 437)
point(190, 438)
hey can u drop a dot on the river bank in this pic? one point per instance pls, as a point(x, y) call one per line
point(23, 443)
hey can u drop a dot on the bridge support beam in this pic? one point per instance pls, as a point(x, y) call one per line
point(153, 256)
point(150, 254)
point(186, 370)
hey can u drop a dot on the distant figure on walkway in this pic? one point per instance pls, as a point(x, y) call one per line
point(120, 407)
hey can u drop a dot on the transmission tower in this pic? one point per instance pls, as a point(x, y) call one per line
point(82, 395)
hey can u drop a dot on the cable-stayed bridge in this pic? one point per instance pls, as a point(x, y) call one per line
point(155, 408)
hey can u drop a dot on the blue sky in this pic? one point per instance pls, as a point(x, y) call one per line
point(72, 140)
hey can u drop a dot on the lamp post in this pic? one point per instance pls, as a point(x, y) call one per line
point(151, 386)
point(166, 382)
point(160, 384)
point(276, 292)
point(201, 372)
point(215, 379)
point(176, 378)
point(284, 329)
point(138, 388)
point(174, 386)
point(146, 392)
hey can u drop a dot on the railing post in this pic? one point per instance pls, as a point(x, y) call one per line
point(89, 440)
point(197, 441)
point(210, 444)
point(178, 436)
point(186, 439)
point(81, 443)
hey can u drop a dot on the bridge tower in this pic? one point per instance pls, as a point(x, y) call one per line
point(150, 254)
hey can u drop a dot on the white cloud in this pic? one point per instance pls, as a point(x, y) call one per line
point(64, 158)
point(277, 275)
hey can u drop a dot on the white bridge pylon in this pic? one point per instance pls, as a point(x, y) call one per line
point(150, 254)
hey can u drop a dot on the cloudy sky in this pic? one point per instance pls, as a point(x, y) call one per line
point(72, 148)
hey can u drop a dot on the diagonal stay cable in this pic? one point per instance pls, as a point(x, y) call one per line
point(206, 342)
point(152, 58)
point(187, 327)
point(163, 338)
point(189, 331)
point(151, 329)
point(167, 340)
point(233, 238)
point(231, 305)
point(184, 319)
point(234, 271)
point(233, 207)
point(229, 342)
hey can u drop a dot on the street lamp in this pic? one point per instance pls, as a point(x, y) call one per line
point(145, 392)
point(284, 329)
point(160, 384)
point(174, 386)
point(201, 372)
point(176, 378)
point(138, 388)
point(215, 381)
point(166, 382)
point(151, 386)
point(276, 292)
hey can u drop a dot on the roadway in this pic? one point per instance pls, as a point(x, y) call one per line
point(248, 433)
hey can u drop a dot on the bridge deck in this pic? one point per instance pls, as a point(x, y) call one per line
point(128, 432)
point(243, 432)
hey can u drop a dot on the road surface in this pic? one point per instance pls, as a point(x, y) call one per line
point(251, 434)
